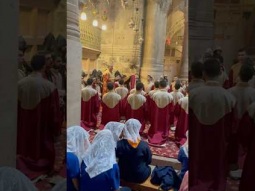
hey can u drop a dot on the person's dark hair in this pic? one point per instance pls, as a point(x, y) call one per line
point(121, 82)
point(177, 85)
point(110, 86)
point(55, 56)
point(246, 72)
point(22, 44)
point(83, 74)
point(156, 84)
point(90, 81)
point(242, 50)
point(197, 69)
point(211, 68)
point(139, 86)
point(117, 73)
point(162, 84)
point(38, 62)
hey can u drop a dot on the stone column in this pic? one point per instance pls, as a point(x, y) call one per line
point(155, 36)
point(185, 53)
point(201, 27)
point(74, 57)
point(9, 11)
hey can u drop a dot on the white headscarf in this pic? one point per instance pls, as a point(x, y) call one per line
point(100, 156)
point(13, 180)
point(77, 141)
point(116, 128)
point(131, 130)
point(186, 145)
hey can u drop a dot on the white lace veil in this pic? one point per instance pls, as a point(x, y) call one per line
point(13, 180)
point(131, 130)
point(116, 128)
point(100, 156)
point(77, 141)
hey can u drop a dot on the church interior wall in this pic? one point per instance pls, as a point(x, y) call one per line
point(234, 26)
point(37, 20)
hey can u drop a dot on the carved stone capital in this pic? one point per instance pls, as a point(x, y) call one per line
point(73, 31)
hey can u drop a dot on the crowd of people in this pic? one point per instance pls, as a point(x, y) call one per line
point(41, 106)
point(153, 109)
point(128, 116)
point(127, 98)
point(221, 122)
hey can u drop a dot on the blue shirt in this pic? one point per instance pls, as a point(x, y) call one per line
point(182, 157)
point(134, 162)
point(73, 170)
point(106, 181)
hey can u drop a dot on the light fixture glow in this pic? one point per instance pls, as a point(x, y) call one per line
point(104, 27)
point(95, 23)
point(83, 16)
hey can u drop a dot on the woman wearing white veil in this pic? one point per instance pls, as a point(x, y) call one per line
point(99, 169)
point(134, 154)
point(77, 145)
point(116, 128)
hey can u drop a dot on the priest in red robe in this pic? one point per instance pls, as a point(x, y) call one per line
point(89, 106)
point(244, 95)
point(211, 111)
point(161, 107)
point(136, 106)
point(123, 92)
point(247, 179)
point(110, 105)
point(38, 121)
point(181, 112)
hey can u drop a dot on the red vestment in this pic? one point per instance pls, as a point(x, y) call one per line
point(110, 107)
point(160, 108)
point(38, 123)
point(211, 111)
point(89, 107)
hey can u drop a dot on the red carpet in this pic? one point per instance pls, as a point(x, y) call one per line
point(170, 150)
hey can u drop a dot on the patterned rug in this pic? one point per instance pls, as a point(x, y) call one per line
point(170, 150)
point(46, 183)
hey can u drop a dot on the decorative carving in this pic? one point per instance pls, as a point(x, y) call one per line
point(72, 20)
point(90, 36)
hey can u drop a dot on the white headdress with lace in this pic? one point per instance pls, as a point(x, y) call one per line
point(77, 141)
point(100, 156)
point(131, 130)
point(116, 128)
point(13, 180)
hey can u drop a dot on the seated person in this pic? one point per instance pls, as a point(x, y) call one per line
point(77, 144)
point(183, 157)
point(99, 169)
point(116, 128)
point(134, 154)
